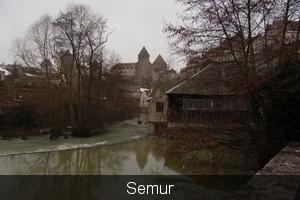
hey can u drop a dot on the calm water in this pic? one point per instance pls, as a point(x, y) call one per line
point(130, 158)
point(121, 150)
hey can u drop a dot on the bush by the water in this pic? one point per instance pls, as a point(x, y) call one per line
point(211, 146)
point(21, 116)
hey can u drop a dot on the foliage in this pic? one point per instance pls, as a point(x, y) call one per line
point(276, 109)
point(204, 146)
point(3, 90)
point(21, 116)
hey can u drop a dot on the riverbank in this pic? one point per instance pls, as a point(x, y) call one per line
point(27, 133)
point(66, 131)
point(207, 150)
point(38, 141)
point(20, 133)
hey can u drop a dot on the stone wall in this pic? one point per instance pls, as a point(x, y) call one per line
point(278, 179)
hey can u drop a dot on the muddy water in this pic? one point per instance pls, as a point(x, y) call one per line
point(120, 150)
point(129, 158)
point(125, 131)
point(123, 149)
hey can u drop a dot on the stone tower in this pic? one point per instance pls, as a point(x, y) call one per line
point(143, 69)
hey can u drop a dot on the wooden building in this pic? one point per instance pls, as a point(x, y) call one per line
point(207, 97)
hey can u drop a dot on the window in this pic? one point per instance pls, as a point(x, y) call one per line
point(197, 104)
point(159, 107)
point(228, 104)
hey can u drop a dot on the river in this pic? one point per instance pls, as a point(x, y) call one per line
point(122, 149)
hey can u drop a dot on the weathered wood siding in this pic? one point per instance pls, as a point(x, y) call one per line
point(206, 109)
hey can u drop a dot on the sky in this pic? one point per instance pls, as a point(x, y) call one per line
point(137, 23)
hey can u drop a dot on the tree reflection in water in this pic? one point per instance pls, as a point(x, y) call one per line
point(131, 158)
point(87, 161)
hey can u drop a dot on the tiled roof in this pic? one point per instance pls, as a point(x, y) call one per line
point(212, 80)
point(159, 60)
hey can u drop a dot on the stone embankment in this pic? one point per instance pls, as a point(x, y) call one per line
point(278, 179)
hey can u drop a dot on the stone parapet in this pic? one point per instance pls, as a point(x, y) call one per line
point(278, 179)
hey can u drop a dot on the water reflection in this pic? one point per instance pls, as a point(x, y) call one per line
point(142, 151)
point(132, 158)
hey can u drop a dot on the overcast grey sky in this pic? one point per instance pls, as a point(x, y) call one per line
point(137, 23)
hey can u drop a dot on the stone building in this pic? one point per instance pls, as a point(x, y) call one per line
point(158, 112)
point(142, 73)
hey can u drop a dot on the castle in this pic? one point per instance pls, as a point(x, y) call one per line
point(142, 73)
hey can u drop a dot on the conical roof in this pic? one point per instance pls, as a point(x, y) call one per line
point(67, 52)
point(159, 60)
point(144, 52)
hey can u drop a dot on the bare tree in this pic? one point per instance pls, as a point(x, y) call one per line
point(70, 50)
point(229, 29)
point(83, 33)
point(37, 51)
point(112, 58)
point(167, 77)
point(248, 36)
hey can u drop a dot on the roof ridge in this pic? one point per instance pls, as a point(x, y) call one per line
point(170, 90)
